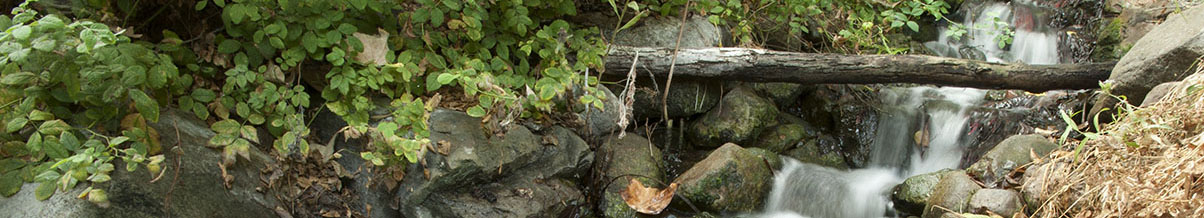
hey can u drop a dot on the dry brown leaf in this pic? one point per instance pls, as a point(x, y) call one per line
point(375, 47)
point(647, 200)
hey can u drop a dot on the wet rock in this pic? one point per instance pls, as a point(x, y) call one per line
point(660, 31)
point(1007, 155)
point(510, 171)
point(809, 152)
point(199, 193)
point(784, 137)
point(601, 122)
point(952, 193)
point(999, 201)
point(911, 195)
point(782, 94)
point(772, 159)
point(1163, 55)
point(740, 117)
point(628, 157)
point(686, 98)
point(1158, 92)
point(730, 179)
point(515, 197)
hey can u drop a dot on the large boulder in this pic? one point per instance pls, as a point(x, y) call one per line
point(999, 201)
point(1009, 154)
point(740, 117)
point(199, 192)
point(658, 31)
point(730, 179)
point(1164, 54)
point(493, 177)
point(911, 195)
point(952, 193)
point(620, 160)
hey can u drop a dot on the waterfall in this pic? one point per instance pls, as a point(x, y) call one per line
point(900, 147)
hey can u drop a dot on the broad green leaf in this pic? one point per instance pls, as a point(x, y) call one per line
point(19, 78)
point(15, 124)
point(44, 44)
point(10, 183)
point(221, 140)
point(53, 127)
point(22, 32)
point(476, 111)
point(145, 105)
point(387, 128)
point(228, 46)
point(203, 95)
point(69, 141)
point(225, 127)
point(447, 78)
point(250, 133)
point(39, 115)
point(45, 190)
point(118, 140)
point(914, 27)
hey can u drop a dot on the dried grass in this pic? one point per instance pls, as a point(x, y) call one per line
point(1148, 163)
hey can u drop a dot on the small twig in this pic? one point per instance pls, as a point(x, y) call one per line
point(175, 178)
point(681, 27)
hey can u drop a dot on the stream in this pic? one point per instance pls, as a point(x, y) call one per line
point(900, 148)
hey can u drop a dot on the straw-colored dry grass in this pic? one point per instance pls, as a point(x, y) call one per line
point(1149, 163)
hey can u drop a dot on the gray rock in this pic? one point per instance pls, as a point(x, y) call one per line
point(741, 117)
point(199, 192)
point(1158, 92)
point(515, 197)
point(911, 195)
point(999, 201)
point(730, 179)
point(1164, 54)
point(784, 137)
point(630, 157)
point(952, 192)
point(1032, 186)
point(809, 152)
point(601, 122)
point(1007, 155)
point(782, 94)
point(686, 98)
point(662, 32)
point(508, 171)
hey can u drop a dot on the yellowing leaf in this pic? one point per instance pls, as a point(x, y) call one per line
point(647, 200)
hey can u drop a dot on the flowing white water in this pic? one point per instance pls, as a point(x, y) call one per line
point(900, 149)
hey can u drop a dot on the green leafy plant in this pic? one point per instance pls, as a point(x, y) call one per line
point(77, 96)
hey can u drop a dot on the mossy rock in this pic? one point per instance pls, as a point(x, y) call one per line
point(740, 117)
point(911, 195)
point(730, 180)
point(783, 137)
point(628, 157)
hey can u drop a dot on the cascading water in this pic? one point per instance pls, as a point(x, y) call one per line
point(921, 129)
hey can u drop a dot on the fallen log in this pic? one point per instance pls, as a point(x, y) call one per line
point(759, 65)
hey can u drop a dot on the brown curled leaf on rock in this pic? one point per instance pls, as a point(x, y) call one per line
point(647, 200)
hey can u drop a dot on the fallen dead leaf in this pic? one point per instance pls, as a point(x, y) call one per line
point(647, 200)
point(375, 47)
